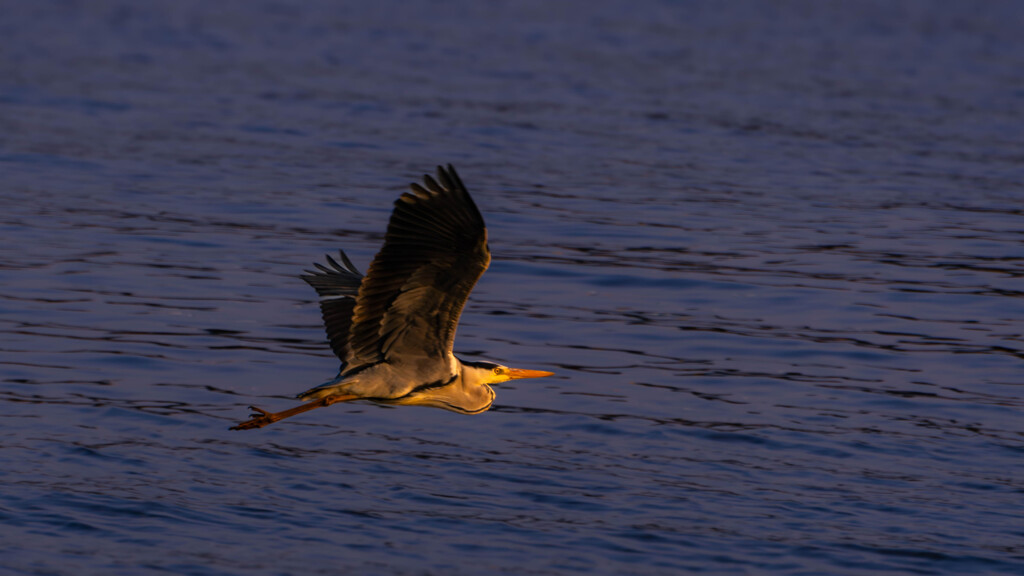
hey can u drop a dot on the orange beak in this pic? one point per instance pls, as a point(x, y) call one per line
point(517, 373)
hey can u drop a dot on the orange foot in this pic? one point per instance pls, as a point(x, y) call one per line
point(258, 419)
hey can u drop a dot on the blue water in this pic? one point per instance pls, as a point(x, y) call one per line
point(773, 251)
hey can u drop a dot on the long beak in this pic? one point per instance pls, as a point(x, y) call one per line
point(517, 373)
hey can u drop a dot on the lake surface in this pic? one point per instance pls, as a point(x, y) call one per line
point(773, 251)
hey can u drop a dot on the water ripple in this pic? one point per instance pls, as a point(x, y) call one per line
point(773, 256)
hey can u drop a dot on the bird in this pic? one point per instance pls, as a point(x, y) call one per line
point(394, 328)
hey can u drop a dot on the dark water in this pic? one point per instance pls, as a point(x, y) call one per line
point(773, 250)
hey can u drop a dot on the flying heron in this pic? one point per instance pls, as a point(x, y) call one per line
point(393, 329)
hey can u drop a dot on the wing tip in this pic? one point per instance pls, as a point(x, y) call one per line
point(450, 178)
point(344, 268)
point(446, 181)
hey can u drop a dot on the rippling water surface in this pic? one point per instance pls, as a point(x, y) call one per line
point(774, 252)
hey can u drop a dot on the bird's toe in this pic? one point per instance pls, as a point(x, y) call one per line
point(258, 419)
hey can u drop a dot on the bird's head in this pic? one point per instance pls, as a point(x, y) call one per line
point(471, 394)
point(481, 373)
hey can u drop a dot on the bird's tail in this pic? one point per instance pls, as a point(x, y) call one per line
point(336, 386)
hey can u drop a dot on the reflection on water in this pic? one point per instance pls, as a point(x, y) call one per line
point(772, 255)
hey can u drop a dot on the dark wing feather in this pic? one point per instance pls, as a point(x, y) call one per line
point(337, 284)
point(434, 252)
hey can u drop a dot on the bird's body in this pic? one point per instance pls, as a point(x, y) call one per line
point(394, 328)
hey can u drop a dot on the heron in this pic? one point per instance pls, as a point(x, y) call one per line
point(394, 328)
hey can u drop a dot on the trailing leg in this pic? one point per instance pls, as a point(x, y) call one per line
point(261, 418)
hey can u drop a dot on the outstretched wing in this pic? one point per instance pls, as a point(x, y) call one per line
point(337, 284)
point(434, 252)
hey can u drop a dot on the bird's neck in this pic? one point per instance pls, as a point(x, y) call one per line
point(474, 395)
